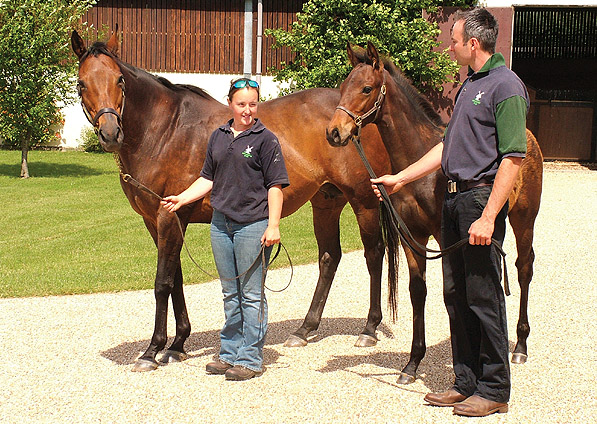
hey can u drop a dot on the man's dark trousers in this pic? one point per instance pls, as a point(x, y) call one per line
point(475, 300)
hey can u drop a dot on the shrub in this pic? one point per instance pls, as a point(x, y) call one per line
point(89, 141)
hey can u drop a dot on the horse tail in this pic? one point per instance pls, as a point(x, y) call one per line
point(391, 239)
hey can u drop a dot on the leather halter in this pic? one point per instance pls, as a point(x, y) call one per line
point(358, 120)
point(93, 119)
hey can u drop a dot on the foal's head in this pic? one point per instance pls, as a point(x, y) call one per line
point(362, 94)
point(101, 88)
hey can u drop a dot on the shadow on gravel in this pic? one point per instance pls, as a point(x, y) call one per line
point(206, 342)
point(435, 371)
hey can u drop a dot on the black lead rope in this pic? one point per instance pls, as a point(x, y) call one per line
point(404, 233)
point(127, 178)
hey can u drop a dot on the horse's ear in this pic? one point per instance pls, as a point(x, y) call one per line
point(352, 57)
point(113, 43)
point(374, 56)
point(78, 44)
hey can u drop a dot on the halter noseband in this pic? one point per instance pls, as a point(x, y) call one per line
point(358, 120)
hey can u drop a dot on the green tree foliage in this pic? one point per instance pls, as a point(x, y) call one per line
point(36, 68)
point(396, 27)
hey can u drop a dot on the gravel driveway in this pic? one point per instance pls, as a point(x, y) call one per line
point(69, 358)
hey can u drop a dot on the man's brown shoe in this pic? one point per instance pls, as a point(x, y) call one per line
point(217, 367)
point(240, 373)
point(448, 398)
point(476, 406)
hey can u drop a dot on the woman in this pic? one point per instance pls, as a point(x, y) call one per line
point(245, 172)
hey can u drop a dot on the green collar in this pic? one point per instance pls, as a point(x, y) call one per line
point(496, 60)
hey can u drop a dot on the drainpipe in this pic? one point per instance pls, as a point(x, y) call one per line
point(248, 45)
point(259, 40)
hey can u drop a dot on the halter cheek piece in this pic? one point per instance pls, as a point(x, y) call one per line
point(93, 119)
point(358, 120)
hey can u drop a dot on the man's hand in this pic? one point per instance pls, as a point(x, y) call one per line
point(392, 184)
point(481, 231)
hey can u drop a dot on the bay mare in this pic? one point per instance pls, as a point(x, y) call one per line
point(409, 127)
point(160, 131)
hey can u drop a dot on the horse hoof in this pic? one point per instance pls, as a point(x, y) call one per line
point(295, 341)
point(366, 340)
point(405, 378)
point(143, 365)
point(173, 356)
point(519, 358)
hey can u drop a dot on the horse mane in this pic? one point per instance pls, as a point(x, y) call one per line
point(100, 47)
point(418, 100)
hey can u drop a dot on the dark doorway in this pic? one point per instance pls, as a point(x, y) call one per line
point(554, 51)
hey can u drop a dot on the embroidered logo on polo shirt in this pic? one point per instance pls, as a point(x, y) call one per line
point(477, 99)
point(247, 152)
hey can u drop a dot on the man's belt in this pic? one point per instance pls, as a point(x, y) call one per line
point(460, 186)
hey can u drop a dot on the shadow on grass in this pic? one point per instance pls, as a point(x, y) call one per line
point(50, 170)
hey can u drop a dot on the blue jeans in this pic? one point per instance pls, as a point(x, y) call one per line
point(475, 300)
point(235, 247)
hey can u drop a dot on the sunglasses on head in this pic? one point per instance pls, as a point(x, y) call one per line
point(244, 82)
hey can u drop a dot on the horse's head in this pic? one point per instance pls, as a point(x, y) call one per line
point(101, 88)
point(361, 96)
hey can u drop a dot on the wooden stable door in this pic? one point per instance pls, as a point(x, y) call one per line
point(563, 128)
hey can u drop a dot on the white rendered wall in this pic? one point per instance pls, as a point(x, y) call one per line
point(216, 85)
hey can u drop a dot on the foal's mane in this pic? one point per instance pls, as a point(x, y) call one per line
point(100, 47)
point(414, 96)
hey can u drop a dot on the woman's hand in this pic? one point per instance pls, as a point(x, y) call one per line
point(275, 198)
point(271, 236)
point(172, 203)
point(196, 191)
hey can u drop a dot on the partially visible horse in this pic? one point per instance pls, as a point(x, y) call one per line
point(409, 127)
point(160, 134)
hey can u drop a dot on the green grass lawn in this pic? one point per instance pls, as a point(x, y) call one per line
point(70, 229)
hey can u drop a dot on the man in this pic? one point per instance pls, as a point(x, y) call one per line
point(481, 154)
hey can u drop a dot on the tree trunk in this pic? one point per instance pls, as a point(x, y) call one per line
point(24, 152)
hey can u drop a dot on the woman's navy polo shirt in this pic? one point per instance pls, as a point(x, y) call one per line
point(243, 169)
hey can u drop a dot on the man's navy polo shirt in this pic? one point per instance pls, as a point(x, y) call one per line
point(488, 123)
point(243, 169)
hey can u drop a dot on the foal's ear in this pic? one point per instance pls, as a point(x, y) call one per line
point(352, 56)
point(113, 43)
point(374, 56)
point(78, 44)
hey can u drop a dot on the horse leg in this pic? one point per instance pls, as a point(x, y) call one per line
point(168, 240)
point(176, 352)
point(326, 224)
point(418, 295)
point(522, 223)
point(368, 220)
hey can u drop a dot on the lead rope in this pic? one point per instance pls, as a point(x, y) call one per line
point(403, 231)
point(127, 178)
